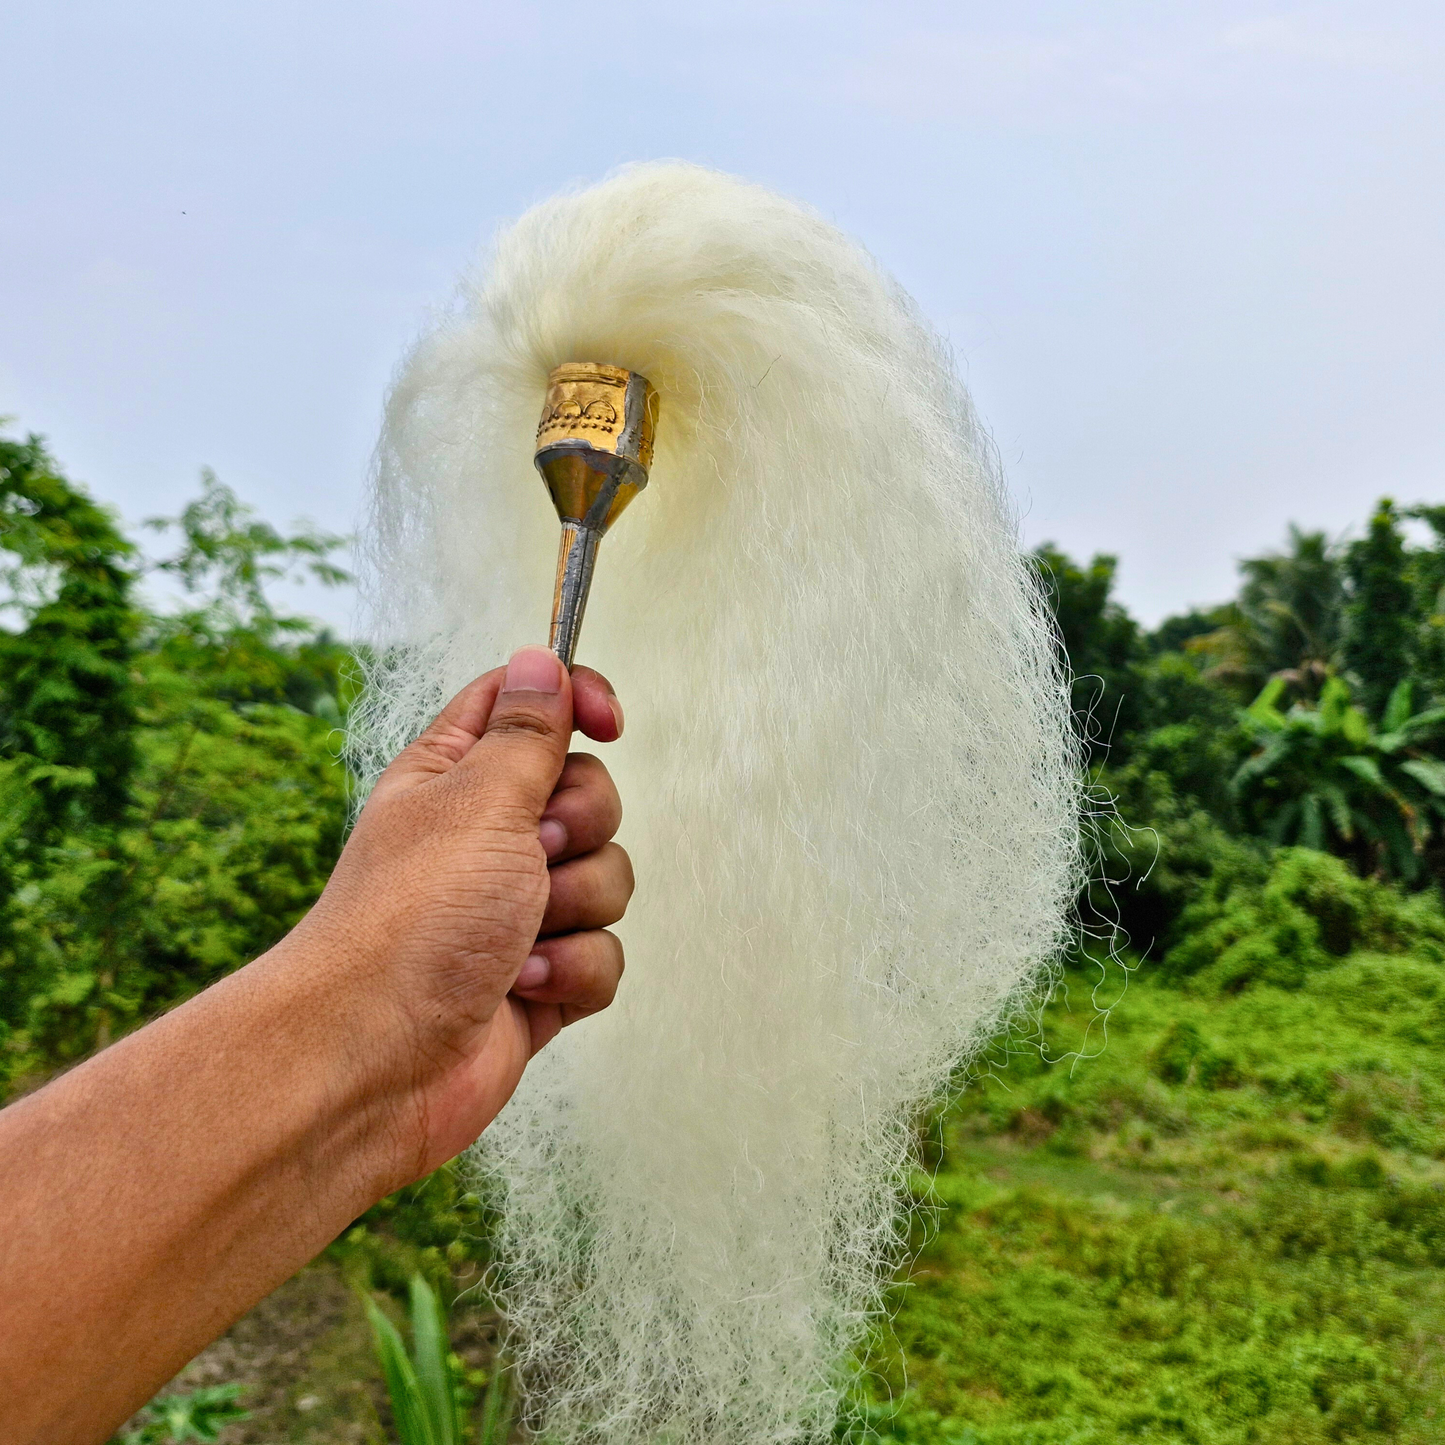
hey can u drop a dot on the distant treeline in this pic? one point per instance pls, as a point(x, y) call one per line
point(171, 798)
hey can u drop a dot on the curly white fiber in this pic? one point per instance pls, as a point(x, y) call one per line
point(848, 772)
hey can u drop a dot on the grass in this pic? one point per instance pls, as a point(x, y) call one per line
point(1227, 1227)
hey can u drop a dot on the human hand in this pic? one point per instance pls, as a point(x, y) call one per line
point(468, 912)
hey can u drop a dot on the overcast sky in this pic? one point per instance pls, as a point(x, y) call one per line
point(1189, 256)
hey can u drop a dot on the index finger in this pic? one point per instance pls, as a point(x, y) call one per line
point(595, 708)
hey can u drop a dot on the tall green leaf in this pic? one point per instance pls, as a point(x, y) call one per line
point(431, 1350)
point(496, 1412)
point(413, 1419)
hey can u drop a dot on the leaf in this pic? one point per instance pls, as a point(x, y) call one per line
point(1356, 727)
point(1265, 708)
point(1398, 708)
point(1283, 822)
point(1403, 852)
point(1312, 823)
point(1262, 763)
point(413, 1424)
point(1422, 721)
point(1366, 769)
point(495, 1408)
point(1341, 814)
point(1334, 704)
point(430, 1349)
point(1428, 773)
point(199, 1415)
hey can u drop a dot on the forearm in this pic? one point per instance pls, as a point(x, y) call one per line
point(155, 1193)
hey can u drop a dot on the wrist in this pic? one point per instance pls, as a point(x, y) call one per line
point(368, 1060)
point(327, 1080)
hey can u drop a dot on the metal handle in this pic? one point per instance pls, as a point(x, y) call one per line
point(576, 557)
point(594, 446)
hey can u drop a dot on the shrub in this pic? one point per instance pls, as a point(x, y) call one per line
point(1305, 914)
point(1183, 1056)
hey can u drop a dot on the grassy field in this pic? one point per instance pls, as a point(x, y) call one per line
point(1226, 1226)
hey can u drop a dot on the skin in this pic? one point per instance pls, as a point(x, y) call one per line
point(152, 1195)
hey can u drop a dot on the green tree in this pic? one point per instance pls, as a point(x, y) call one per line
point(1101, 642)
point(1426, 568)
point(1286, 622)
point(194, 803)
point(1175, 633)
point(67, 699)
point(1325, 778)
point(229, 630)
point(68, 702)
point(1380, 617)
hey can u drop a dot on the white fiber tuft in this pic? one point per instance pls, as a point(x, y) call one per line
point(849, 778)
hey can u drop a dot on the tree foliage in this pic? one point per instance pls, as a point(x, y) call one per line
point(1101, 642)
point(1380, 616)
point(1270, 830)
point(1286, 622)
point(1305, 712)
point(67, 712)
point(172, 800)
point(1326, 778)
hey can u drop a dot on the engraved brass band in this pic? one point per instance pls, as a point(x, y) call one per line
point(594, 448)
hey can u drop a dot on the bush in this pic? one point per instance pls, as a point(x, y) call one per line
point(170, 804)
point(1183, 1056)
point(1155, 850)
point(1306, 913)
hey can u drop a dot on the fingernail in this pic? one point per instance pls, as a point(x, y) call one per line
point(534, 973)
point(553, 836)
point(616, 712)
point(533, 669)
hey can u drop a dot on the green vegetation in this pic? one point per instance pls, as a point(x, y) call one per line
point(1226, 1226)
point(170, 798)
point(197, 1415)
point(1204, 1202)
point(427, 1390)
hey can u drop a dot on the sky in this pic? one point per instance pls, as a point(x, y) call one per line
point(1189, 257)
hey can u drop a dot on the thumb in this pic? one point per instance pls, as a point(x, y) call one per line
point(524, 744)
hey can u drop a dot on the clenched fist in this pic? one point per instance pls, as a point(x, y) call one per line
point(483, 862)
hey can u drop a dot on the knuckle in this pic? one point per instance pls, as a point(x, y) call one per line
point(523, 725)
point(610, 808)
point(598, 820)
point(583, 769)
point(601, 968)
point(594, 783)
point(608, 884)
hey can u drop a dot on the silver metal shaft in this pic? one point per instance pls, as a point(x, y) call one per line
point(576, 558)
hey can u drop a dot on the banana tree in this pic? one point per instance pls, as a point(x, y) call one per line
point(1324, 777)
